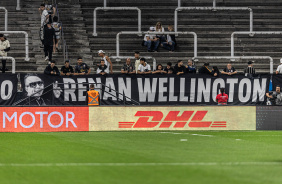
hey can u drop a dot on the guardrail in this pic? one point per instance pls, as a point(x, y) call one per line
point(114, 8)
point(159, 33)
point(214, 8)
point(13, 62)
point(250, 33)
point(132, 57)
point(239, 57)
point(6, 17)
point(26, 41)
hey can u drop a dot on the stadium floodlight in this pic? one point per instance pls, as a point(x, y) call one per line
point(6, 17)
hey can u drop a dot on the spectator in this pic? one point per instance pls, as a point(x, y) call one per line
point(170, 41)
point(222, 98)
point(67, 69)
point(44, 20)
point(81, 68)
point(168, 69)
point(107, 60)
point(51, 69)
point(205, 70)
point(229, 70)
point(159, 28)
point(102, 68)
point(57, 27)
point(49, 41)
point(191, 68)
point(249, 71)
point(137, 61)
point(92, 96)
point(51, 10)
point(279, 68)
point(215, 71)
point(179, 68)
point(150, 40)
point(274, 97)
point(159, 70)
point(128, 67)
point(144, 68)
point(4, 48)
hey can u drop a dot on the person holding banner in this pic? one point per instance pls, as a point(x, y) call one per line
point(93, 96)
point(222, 98)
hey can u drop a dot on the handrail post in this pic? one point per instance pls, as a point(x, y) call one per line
point(195, 45)
point(175, 19)
point(139, 20)
point(18, 5)
point(105, 3)
point(117, 44)
point(214, 4)
point(26, 47)
point(6, 17)
point(179, 3)
point(94, 22)
point(232, 44)
point(251, 20)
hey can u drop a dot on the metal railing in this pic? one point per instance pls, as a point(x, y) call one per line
point(251, 33)
point(159, 33)
point(132, 57)
point(240, 57)
point(114, 8)
point(26, 41)
point(18, 5)
point(214, 8)
point(13, 62)
point(126, 100)
point(6, 17)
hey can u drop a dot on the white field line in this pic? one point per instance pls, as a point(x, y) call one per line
point(143, 164)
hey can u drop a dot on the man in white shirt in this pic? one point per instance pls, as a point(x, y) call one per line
point(279, 68)
point(144, 68)
point(44, 20)
point(151, 40)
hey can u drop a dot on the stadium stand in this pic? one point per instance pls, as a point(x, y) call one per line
point(213, 28)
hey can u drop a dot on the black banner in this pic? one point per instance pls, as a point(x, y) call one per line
point(190, 89)
point(8, 87)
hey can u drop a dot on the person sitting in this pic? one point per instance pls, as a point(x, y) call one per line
point(229, 70)
point(150, 40)
point(222, 98)
point(159, 70)
point(170, 41)
point(128, 67)
point(51, 69)
point(144, 68)
point(168, 69)
point(67, 69)
point(190, 68)
point(102, 68)
point(250, 71)
point(159, 29)
point(81, 68)
point(179, 68)
point(205, 70)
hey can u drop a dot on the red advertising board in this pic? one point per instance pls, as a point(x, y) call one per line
point(44, 119)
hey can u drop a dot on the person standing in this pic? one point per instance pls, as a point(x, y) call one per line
point(107, 60)
point(222, 98)
point(57, 27)
point(250, 71)
point(49, 42)
point(44, 20)
point(93, 96)
point(137, 61)
point(4, 48)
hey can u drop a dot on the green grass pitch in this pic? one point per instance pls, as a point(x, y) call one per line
point(228, 157)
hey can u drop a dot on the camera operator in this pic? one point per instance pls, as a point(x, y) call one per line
point(274, 97)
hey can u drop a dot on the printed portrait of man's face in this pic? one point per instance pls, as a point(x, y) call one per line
point(34, 86)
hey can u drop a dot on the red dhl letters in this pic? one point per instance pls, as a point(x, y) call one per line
point(173, 116)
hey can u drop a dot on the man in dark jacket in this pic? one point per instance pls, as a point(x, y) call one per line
point(49, 41)
point(205, 70)
point(179, 68)
point(52, 69)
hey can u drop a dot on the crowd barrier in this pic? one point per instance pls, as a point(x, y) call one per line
point(169, 118)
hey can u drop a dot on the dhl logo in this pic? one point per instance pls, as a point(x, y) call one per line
point(172, 116)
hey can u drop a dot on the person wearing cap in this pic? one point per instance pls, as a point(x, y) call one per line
point(249, 71)
point(67, 69)
point(279, 68)
point(229, 70)
point(4, 48)
point(107, 60)
point(205, 70)
point(151, 40)
point(222, 98)
point(49, 41)
point(51, 69)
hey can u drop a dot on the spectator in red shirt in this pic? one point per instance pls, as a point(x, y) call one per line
point(222, 98)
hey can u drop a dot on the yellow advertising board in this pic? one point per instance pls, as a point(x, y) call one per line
point(172, 118)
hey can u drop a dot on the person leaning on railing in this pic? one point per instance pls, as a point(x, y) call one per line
point(67, 69)
point(51, 69)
